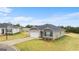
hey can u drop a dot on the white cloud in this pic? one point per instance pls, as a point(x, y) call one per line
point(23, 20)
point(38, 22)
point(66, 19)
point(73, 14)
point(4, 11)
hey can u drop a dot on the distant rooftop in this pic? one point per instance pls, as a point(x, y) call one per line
point(4, 25)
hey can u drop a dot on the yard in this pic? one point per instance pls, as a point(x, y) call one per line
point(14, 36)
point(69, 42)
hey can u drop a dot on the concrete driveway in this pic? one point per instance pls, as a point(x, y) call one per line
point(4, 47)
point(13, 42)
point(8, 45)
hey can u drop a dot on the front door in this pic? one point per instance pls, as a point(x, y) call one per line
point(41, 34)
point(2, 31)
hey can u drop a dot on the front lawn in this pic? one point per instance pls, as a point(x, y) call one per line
point(67, 43)
point(14, 36)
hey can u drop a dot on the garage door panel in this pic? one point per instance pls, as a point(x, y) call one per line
point(34, 34)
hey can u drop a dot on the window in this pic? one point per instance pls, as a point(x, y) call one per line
point(48, 33)
point(9, 30)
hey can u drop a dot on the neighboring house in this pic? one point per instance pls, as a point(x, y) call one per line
point(46, 31)
point(8, 28)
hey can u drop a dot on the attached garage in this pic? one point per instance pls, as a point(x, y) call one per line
point(34, 33)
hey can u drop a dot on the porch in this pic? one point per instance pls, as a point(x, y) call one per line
point(46, 34)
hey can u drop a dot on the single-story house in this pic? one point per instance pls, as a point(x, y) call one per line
point(47, 31)
point(8, 28)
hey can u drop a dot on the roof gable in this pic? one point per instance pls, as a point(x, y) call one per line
point(47, 26)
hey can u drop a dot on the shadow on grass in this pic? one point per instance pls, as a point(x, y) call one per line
point(58, 39)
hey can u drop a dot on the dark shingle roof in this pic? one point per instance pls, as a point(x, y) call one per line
point(4, 25)
point(52, 27)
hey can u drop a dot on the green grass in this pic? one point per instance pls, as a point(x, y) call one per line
point(14, 36)
point(69, 42)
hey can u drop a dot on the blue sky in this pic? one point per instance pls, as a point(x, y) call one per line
point(40, 15)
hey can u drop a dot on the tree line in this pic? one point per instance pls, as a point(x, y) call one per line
point(67, 28)
point(71, 29)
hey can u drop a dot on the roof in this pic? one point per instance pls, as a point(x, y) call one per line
point(4, 25)
point(50, 26)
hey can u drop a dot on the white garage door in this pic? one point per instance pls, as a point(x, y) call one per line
point(34, 34)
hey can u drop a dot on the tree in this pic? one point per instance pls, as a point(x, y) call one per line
point(29, 26)
point(17, 25)
point(72, 29)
